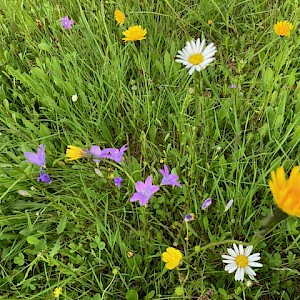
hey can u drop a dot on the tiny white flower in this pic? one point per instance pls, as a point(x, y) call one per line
point(240, 260)
point(195, 57)
point(74, 98)
point(228, 205)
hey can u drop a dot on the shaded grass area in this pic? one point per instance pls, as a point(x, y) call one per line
point(76, 231)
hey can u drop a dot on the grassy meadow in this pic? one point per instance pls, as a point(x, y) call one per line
point(221, 130)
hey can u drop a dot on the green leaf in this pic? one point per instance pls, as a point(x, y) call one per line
point(19, 260)
point(132, 295)
point(62, 225)
point(150, 295)
point(32, 240)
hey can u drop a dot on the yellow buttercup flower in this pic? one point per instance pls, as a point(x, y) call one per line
point(283, 28)
point(209, 22)
point(119, 17)
point(74, 152)
point(172, 258)
point(286, 192)
point(57, 292)
point(134, 33)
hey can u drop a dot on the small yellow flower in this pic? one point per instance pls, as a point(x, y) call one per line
point(74, 152)
point(172, 258)
point(134, 33)
point(209, 22)
point(119, 17)
point(111, 175)
point(57, 292)
point(286, 193)
point(283, 28)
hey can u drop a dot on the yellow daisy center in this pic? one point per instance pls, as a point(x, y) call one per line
point(241, 261)
point(196, 59)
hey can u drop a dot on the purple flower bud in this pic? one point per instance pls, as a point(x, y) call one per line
point(228, 205)
point(206, 203)
point(44, 177)
point(189, 217)
point(118, 181)
point(232, 86)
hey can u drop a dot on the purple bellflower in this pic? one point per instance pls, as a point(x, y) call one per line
point(144, 191)
point(44, 177)
point(206, 203)
point(118, 181)
point(189, 217)
point(116, 154)
point(96, 151)
point(169, 179)
point(66, 23)
point(38, 158)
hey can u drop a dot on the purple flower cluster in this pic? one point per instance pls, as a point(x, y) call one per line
point(144, 191)
point(111, 153)
point(39, 159)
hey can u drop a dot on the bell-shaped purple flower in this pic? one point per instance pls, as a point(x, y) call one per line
point(38, 158)
point(169, 179)
point(118, 181)
point(206, 203)
point(144, 191)
point(44, 177)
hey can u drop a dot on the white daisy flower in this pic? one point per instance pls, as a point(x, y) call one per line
point(241, 261)
point(195, 57)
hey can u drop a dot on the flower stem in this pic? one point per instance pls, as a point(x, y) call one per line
point(204, 248)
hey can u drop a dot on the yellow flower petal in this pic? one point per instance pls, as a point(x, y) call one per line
point(286, 193)
point(74, 152)
point(172, 258)
point(134, 33)
point(283, 28)
point(119, 17)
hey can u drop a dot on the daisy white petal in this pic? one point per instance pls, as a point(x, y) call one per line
point(255, 264)
point(249, 271)
point(240, 261)
point(232, 252)
point(239, 274)
point(227, 257)
point(227, 261)
point(241, 248)
point(196, 56)
point(202, 45)
point(253, 258)
point(230, 268)
point(236, 249)
point(248, 250)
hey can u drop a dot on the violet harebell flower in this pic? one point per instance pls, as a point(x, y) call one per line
point(66, 23)
point(169, 179)
point(118, 181)
point(44, 177)
point(206, 203)
point(96, 151)
point(38, 158)
point(116, 154)
point(144, 191)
